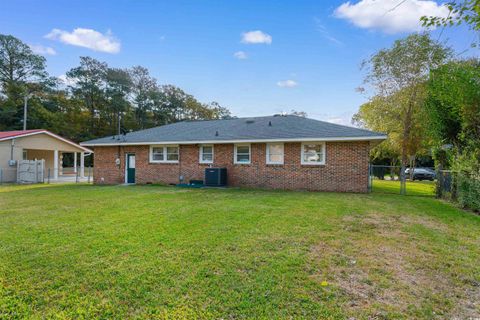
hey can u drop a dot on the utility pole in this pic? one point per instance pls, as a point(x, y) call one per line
point(119, 119)
point(25, 102)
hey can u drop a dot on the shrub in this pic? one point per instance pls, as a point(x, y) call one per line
point(468, 191)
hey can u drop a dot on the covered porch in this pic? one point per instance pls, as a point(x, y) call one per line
point(55, 168)
point(59, 159)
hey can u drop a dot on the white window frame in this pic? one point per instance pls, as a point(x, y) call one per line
point(200, 153)
point(235, 153)
point(267, 161)
point(324, 149)
point(164, 153)
point(151, 154)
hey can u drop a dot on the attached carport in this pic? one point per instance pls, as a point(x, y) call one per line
point(44, 145)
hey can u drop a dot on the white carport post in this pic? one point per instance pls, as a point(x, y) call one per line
point(82, 164)
point(55, 164)
point(75, 162)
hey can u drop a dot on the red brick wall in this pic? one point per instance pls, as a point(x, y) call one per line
point(345, 169)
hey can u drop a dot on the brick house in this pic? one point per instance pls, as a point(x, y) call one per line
point(278, 152)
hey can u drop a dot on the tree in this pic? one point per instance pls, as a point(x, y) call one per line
point(466, 11)
point(382, 114)
point(18, 64)
point(217, 111)
point(173, 104)
point(118, 88)
point(144, 89)
point(453, 107)
point(20, 70)
point(397, 77)
point(97, 100)
point(89, 83)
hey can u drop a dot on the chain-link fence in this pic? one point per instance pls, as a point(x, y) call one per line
point(416, 181)
point(65, 175)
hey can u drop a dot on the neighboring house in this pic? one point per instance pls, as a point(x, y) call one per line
point(279, 152)
point(38, 144)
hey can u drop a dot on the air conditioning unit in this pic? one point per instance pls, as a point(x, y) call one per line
point(215, 177)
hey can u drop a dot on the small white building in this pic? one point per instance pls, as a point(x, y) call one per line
point(39, 144)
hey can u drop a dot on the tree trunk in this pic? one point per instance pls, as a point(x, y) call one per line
point(412, 168)
point(407, 127)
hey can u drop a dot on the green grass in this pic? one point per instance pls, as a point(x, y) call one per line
point(82, 251)
point(416, 188)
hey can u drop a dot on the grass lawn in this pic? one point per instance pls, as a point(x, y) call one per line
point(417, 188)
point(82, 251)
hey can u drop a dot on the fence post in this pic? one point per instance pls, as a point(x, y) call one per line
point(454, 184)
point(48, 179)
point(1, 175)
point(403, 182)
point(36, 170)
point(76, 175)
point(370, 177)
point(89, 170)
point(440, 182)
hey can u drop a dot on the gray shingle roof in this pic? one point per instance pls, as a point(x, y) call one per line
point(289, 128)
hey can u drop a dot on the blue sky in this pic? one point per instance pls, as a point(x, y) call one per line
point(305, 55)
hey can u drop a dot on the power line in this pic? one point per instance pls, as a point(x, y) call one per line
point(443, 27)
point(467, 49)
point(395, 7)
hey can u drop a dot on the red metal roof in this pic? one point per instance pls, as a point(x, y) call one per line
point(6, 135)
point(11, 134)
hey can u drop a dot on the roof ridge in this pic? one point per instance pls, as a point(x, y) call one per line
point(233, 118)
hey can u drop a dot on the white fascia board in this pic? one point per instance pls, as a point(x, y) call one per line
point(382, 137)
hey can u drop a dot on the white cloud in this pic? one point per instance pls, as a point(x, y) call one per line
point(39, 49)
point(287, 84)
point(390, 16)
point(255, 37)
point(87, 38)
point(241, 55)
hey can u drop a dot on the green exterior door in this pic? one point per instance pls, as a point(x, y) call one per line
point(130, 168)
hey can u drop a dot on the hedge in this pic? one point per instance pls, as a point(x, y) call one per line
point(468, 191)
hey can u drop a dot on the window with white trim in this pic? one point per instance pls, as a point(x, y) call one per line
point(164, 154)
point(242, 154)
point(156, 154)
point(172, 153)
point(274, 153)
point(313, 153)
point(206, 153)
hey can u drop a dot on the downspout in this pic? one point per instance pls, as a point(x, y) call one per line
point(180, 178)
point(11, 149)
point(120, 165)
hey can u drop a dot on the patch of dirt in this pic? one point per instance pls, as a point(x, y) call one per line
point(380, 270)
point(468, 308)
point(385, 224)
